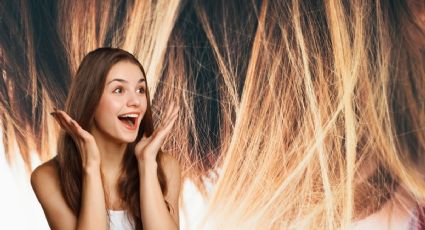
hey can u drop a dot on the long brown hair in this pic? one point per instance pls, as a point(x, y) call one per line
point(84, 95)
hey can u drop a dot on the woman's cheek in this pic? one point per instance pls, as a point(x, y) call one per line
point(116, 105)
point(112, 104)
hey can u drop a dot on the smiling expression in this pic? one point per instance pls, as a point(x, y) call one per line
point(122, 105)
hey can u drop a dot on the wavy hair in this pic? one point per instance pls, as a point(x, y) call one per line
point(312, 111)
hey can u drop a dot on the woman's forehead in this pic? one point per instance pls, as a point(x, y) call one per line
point(125, 71)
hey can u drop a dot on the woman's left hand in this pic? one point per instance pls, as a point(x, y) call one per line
point(147, 148)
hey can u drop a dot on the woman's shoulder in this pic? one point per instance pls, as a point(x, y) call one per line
point(46, 184)
point(45, 177)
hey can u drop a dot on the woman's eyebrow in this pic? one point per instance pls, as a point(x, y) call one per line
point(124, 81)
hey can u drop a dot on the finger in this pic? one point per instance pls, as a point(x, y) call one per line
point(169, 111)
point(75, 135)
point(173, 114)
point(64, 127)
point(166, 128)
point(70, 125)
point(64, 115)
point(170, 123)
point(65, 118)
point(172, 117)
point(154, 142)
point(76, 128)
point(143, 142)
point(60, 121)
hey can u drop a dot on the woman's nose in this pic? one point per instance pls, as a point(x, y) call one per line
point(133, 100)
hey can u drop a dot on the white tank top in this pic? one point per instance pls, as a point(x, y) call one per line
point(118, 220)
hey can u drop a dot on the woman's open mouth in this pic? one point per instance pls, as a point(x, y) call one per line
point(129, 120)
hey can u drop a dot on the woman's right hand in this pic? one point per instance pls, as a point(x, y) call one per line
point(85, 142)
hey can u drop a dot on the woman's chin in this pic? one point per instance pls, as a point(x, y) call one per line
point(125, 139)
point(128, 140)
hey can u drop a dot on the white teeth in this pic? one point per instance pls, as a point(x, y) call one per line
point(130, 115)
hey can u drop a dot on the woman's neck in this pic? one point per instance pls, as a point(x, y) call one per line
point(111, 155)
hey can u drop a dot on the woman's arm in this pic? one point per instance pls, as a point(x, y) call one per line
point(93, 208)
point(46, 185)
point(154, 212)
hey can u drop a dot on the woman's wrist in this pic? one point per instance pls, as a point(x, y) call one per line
point(91, 169)
point(146, 158)
point(147, 164)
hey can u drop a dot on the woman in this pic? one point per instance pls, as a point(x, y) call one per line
point(109, 171)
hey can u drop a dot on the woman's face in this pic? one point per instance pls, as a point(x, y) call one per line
point(122, 105)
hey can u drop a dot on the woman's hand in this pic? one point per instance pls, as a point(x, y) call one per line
point(85, 142)
point(147, 148)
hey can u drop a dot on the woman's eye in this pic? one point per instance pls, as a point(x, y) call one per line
point(141, 90)
point(118, 90)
